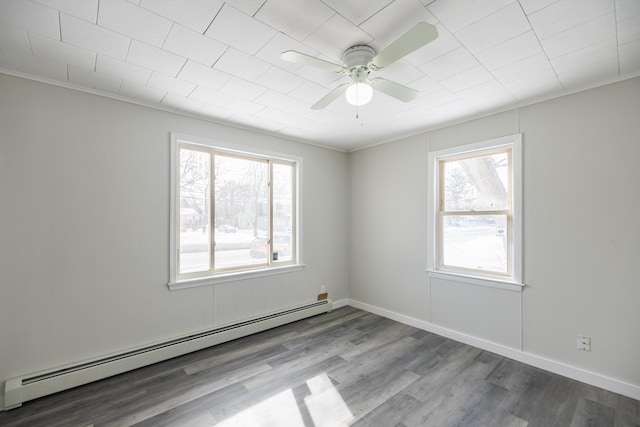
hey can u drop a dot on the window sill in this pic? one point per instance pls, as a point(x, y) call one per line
point(231, 277)
point(477, 280)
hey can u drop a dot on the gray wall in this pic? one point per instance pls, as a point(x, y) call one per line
point(581, 233)
point(84, 261)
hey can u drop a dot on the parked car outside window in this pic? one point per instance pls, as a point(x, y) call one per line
point(227, 229)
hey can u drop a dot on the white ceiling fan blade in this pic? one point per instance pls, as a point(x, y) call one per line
point(396, 90)
point(330, 97)
point(413, 39)
point(301, 58)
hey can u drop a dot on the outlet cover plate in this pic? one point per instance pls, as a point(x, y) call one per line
point(584, 342)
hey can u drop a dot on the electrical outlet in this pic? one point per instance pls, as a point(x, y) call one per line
point(584, 342)
point(323, 289)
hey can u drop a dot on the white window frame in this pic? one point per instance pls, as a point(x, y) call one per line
point(175, 281)
point(510, 282)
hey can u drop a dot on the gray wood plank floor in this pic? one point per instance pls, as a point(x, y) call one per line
point(347, 367)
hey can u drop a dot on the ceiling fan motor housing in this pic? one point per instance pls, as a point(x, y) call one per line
point(358, 55)
point(356, 60)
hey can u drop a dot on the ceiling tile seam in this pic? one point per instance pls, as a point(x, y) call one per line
point(129, 35)
point(114, 32)
point(480, 84)
point(221, 55)
point(356, 23)
point(546, 54)
point(212, 20)
point(628, 43)
point(272, 65)
point(139, 6)
point(585, 48)
point(476, 21)
point(131, 63)
point(163, 98)
point(444, 53)
point(29, 41)
point(335, 12)
point(372, 15)
point(125, 61)
point(615, 17)
point(537, 10)
point(166, 37)
point(520, 60)
point(474, 55)
point(277, 31)
point(65, 42)
point(576, 26)
point(120, 85)
point(499, 43)
point(59, 25)
point(195, 87)
point(258, 10)
point(461, 45)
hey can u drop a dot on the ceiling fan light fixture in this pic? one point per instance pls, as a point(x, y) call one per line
point(359, 93)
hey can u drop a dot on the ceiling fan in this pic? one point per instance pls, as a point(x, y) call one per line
point(360, 60)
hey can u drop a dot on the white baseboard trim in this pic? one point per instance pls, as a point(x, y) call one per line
point(340, 303)
point(578, 374)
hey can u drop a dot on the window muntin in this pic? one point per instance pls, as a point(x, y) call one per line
point(194, 211)
point(236, 211)
point(475, 228)
point(283, 211)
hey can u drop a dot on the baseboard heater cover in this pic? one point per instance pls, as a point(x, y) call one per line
point(28, 387)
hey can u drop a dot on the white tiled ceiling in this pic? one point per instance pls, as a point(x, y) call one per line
point(220, 60)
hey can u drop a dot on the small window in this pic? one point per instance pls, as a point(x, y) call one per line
point(475, 224)
point(233, 210)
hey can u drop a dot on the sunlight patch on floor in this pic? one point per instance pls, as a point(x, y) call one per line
point(278, 410)
point(325, 405)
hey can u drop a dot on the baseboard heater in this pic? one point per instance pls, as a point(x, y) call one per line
point(24, 388)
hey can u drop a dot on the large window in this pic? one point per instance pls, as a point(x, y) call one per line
point(475, 210)
point(234, 211)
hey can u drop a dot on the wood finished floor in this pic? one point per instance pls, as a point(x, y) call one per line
point(347, 367)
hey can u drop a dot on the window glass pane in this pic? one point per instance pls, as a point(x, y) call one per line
point(195, 232)
point(477, 184)
point(477, 242)
point(283, 199)
point(241, 211)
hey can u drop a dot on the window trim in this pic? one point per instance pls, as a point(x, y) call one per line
point(176, 282)
point(513, 282)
